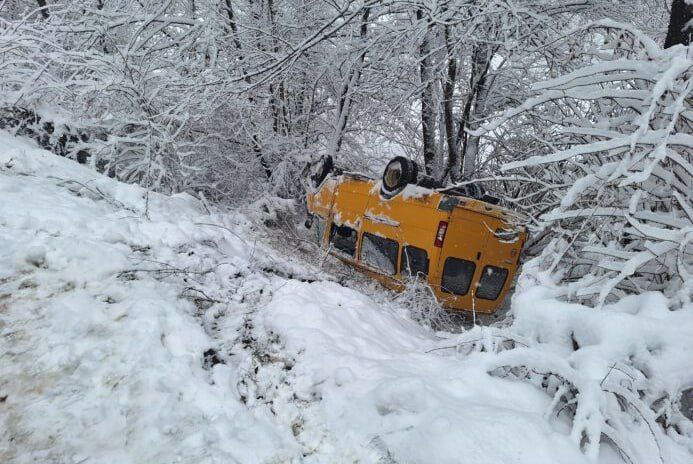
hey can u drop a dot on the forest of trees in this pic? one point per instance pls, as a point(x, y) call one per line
point(573, 112)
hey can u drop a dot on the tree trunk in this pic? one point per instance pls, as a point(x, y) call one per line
point(275, 92)
point(350, 83)
point(481, 60)
point(234, 33)
point(44, 11)
point(453, 168)
point(428, 124)
point(681, 14)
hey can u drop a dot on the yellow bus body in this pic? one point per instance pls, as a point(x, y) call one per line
point(472, 244)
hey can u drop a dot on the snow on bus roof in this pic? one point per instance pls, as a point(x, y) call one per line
point(416, 191)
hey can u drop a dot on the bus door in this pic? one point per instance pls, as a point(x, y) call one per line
point(462, 253)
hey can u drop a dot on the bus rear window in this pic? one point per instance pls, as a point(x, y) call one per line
point(457, 276)
point(414, 262)
point(379, 252)
point(491, 282)
point(343, 238)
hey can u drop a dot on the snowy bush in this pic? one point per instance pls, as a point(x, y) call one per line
point(606, 175)
point(419, 299)
point(618, 374)
point(159, 82)
point(231, 98)
point(612, 180)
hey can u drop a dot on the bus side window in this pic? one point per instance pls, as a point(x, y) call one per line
point(491, 282)
point(344, 239)
point(414, 262)
point(379, 252)
point(457, 275)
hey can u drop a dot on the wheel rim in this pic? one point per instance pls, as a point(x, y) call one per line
point(393, 175)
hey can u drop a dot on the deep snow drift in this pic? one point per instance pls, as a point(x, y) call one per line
point(141, 328)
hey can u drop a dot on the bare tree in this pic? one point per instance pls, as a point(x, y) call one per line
point(613, 179)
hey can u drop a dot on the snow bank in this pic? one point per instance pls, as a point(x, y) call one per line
point(374, 389)
point(100, 362)
point(617, 372)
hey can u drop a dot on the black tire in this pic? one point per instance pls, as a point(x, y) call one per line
point(473, 191)
point(399, 172)
point(320, 170)
point(426, 181)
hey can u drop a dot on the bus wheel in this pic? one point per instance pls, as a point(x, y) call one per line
point(399, 172)
point(320, 170)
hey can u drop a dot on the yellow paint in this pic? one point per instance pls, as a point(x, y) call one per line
point(412, 218)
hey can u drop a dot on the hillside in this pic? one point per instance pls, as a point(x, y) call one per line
point(138, 327)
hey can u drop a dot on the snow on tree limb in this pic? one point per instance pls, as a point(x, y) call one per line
point(620, 129)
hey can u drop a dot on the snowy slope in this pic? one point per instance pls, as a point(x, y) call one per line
point(141, 328)
point(99, 363)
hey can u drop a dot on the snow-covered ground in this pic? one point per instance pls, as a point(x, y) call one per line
point(139, 328)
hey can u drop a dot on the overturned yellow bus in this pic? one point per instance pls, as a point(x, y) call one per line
point(463, 245)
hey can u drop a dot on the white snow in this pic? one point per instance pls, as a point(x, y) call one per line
point(381, 218)
point(96, 367)
point(375, 389)
point(415, 191)
point(136, 327)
